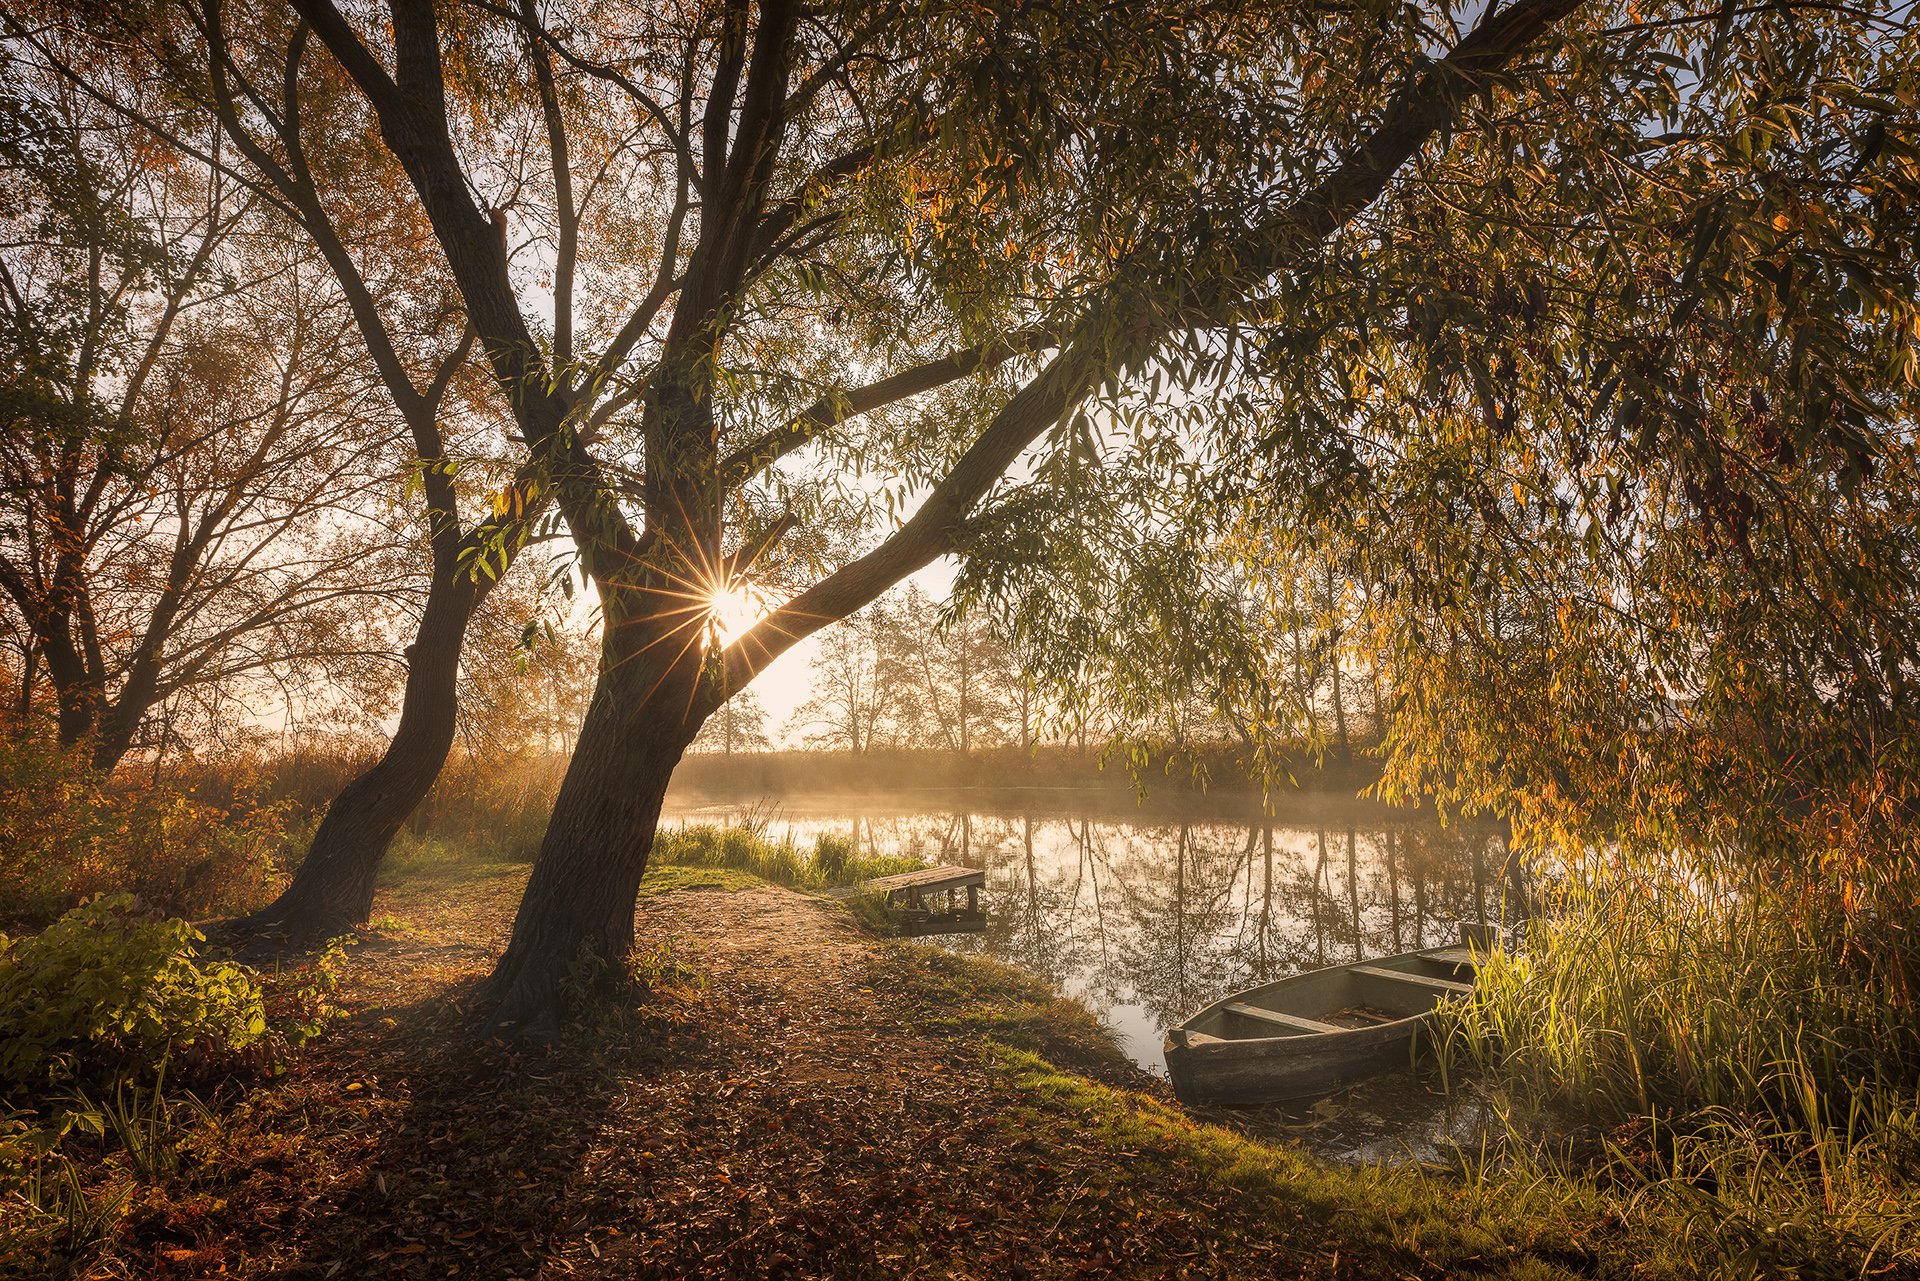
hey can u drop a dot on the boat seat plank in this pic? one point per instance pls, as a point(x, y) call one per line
point(1275, 1017)
point(1418, 980)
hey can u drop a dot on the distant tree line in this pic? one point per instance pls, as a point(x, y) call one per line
point(915, 673)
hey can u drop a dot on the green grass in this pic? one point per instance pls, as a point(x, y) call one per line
point(833, 861)
point(665, 878)
point(1752, 1071)
point(951, 993)
point(1385, 1221)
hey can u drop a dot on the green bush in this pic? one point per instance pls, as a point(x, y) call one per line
point(108, 994)
point(104, 1018)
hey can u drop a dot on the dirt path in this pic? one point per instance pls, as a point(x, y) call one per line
point(790, 1098)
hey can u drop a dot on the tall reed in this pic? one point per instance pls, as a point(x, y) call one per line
point(1676, 984)
point(745, 847)
point(1746, 1035)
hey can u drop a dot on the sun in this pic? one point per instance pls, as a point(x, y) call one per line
point(732, 610)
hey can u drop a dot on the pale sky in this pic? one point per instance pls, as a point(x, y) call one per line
point(786, 684)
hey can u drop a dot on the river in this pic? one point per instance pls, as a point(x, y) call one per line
point(1145, 916)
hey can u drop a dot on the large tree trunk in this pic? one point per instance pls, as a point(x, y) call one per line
point(578, 907)
point(333, 890)
point(78, 691)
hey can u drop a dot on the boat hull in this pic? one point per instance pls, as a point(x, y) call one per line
point(1208, 1071)
point(1294, 1038)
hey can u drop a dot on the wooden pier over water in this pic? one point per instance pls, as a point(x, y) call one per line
point(906, 895)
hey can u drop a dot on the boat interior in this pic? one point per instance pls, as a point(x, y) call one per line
point(1348, 998)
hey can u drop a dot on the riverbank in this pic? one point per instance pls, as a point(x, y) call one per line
point(783, 1095)
point(1008, 780)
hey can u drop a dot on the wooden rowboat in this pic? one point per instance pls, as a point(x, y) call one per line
point(1318, 1031)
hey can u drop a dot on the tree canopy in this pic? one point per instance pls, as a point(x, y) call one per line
point(1574, 347)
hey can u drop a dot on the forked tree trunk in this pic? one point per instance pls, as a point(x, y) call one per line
point(578, 907)
point(333, 889)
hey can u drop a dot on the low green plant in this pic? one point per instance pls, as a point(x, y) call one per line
point(745, 847)
point(113, 993)
point(108, 993)
point(585, 981)
point(146, 1124)
point(659, 968)
point(50, 1213)
point(99, 1014)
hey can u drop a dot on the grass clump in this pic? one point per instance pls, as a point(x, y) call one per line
point(833, 861)
point(1750, 1075)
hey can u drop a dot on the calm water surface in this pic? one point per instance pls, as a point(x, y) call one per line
point(1146, 917)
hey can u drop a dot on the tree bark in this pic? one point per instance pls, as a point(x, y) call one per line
point(333, 889)
point(29, 668)
point(579, 903)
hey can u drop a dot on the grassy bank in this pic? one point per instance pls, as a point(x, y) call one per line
point(775, 1093)
point(833, 860)
point(1491, 1214)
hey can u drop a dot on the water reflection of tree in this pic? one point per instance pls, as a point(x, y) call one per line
point(1033, 921)
point(1168, 917)
point(1179, 892)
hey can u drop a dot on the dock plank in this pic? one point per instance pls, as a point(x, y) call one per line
point(943, 877)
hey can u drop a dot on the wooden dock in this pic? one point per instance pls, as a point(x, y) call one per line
point(906, 894)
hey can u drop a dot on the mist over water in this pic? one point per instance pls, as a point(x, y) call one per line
point(1146, 917)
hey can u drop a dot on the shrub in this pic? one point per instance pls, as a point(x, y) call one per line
point(68, 833)
point(108, 994)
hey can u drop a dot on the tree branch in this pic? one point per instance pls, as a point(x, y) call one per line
point(832, 409)
point(1414, 116)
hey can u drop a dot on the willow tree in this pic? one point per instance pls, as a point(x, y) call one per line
point(191, 463)
point(908, 240)
point(1608, 414)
